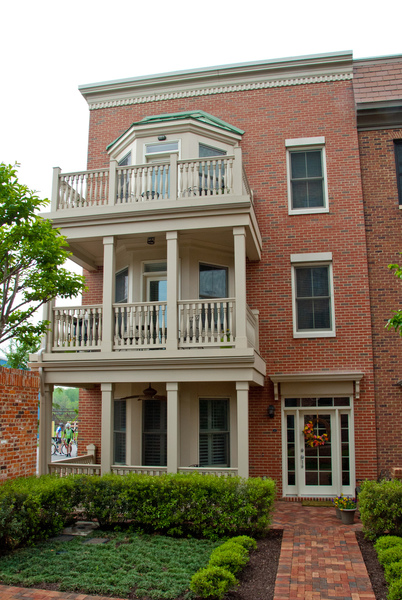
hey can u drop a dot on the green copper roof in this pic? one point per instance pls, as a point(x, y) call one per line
point(197, 115)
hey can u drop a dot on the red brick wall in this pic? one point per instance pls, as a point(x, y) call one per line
point(268, 118)
point(94, 282)
point(19, 394)
point(384, 241)
point(90, 403)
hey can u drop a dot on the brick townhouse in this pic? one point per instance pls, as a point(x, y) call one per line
point(221, 228)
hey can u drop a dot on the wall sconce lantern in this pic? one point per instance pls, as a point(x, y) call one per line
point(151, 241)
point(271, 411)
point(161, 138)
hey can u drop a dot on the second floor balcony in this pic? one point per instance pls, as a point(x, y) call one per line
point(143, 326)
point(191, 181)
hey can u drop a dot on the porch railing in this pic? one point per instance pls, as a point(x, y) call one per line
point(77, 328)
point(223, 472)
point(142, 324)
point(165, 180)
point(125, 469)
point(206, 322)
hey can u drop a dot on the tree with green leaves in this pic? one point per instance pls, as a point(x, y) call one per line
point(395, 322)
point(32, 255)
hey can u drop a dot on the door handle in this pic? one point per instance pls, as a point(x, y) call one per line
point(302, 458)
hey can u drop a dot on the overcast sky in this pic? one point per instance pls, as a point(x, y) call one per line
point(49, 47)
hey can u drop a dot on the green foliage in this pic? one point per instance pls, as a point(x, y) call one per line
point(17, 353)
point(390, 555)
point(247, 542)
point(380, 505)
point(387, 541)
point(395, 322)
point(34, 508)
point(232, 557)
point(198, 505)
point(212, 582)
point(395, 590)
point(32, 255)
point(156, 566)
point(393, 571)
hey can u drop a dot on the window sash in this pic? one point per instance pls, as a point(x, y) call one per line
point(313, 298)
point(306, 178)
point(154, 436)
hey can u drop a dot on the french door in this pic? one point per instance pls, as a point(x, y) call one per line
point(318, 447)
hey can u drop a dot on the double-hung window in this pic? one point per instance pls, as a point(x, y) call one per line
point(306, 167)
point(214, 432)
point(398, 161)
point(313, 303)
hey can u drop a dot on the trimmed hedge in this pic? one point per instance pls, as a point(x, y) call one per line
point(34, 508)
point(380, 505)
point(225, 561)
point(389, 552)
point(198, 505)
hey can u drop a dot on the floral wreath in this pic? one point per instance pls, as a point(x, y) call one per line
point(311, 439)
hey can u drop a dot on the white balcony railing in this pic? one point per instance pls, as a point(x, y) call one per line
point(77, 328)
point(142, 324)
point(169, 180)
point(207, 323)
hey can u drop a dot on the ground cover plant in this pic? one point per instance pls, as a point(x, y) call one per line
point(128, 565)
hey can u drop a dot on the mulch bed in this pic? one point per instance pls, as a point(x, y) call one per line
point(374, 569)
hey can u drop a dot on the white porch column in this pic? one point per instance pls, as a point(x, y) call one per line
point(172, 289)
point(48, 315)
point(242, 388)
point(173, 433)
point(108, 293)
point(45, 428)
point(239, 234)
point(107, 427)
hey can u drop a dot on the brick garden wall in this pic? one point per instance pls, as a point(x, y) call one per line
point(19, 392)
point(384, 242)
point(269, 117)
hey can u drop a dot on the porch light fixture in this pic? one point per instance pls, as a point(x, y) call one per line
point(151, 241)
point(271, 411)
point(161, 138)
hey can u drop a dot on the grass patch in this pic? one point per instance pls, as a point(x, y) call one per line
point(154, 566)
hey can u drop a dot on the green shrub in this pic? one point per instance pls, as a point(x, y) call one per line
point(212, 582)
point(395, 590)
point(245, 541)
point(387, 541)
point(393, 571)
point(34, 508)
point(390, 555)
point(198, 505)
point(232, 557)
point(380, 505)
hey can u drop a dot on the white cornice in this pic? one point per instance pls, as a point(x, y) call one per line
point(220, 80)
point(111, 103)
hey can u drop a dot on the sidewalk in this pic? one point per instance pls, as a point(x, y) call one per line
point(320, 557)
point(320, 560)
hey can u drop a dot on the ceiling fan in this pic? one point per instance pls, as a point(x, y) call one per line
point(148, 394)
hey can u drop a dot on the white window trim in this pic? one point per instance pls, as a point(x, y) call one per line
point(313, 143)
point(318, 259)
point(162, 154)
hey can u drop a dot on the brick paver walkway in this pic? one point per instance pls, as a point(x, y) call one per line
point(320, 557)
point(320, 560)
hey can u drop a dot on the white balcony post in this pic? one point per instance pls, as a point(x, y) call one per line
point(237, 172)
point(239, 234)
point(172, 289)
point(242, 428)
point(107, 427)
point(173, 191)
point(173, 442)
point(112, 182)
point(108, 293)
point(45, 428)
point(48, 315)
point(55, 189)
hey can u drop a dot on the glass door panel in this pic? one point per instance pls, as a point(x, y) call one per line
point(316, 476)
